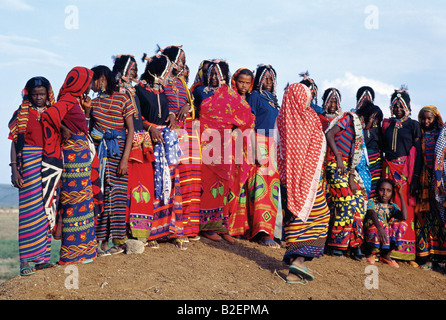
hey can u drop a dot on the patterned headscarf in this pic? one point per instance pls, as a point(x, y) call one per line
point(234, 79)
point(123, 63)
point(364, 93)
point(401, 96)
point(199, 78)
point(174, 53)
point(301, 149)
point(216, 66)
point(328, 95)
point(432, 109)
point(263, 70)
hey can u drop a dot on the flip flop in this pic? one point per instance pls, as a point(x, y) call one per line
point(87, 261)
point(102, 253)
point(303, 272)
point(46, 265)
point(270, 243)
point(426, 267)
point(23, 273)
point(391, 263)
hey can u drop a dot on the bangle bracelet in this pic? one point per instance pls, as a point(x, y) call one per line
point(13, 162)
point(88, 119)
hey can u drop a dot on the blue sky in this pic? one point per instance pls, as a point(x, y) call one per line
point(344, 44)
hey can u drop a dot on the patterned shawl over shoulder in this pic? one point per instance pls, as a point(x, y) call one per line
point(301, 149)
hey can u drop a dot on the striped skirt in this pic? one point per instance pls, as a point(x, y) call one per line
point(34, 230)
point(190, 178)
point(375, 167)
point(306, 239)
point(111, 224)
point(76, 203)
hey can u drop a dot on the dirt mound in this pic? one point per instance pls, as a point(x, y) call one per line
point(220, 271)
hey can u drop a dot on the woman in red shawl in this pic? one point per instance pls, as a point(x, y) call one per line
point(221, 111)
point(77, 207)
point(301, 152)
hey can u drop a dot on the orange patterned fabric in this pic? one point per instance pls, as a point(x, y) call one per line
point(301, 149)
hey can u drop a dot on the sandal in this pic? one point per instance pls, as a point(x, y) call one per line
point(27, 271)
point(391, 263)
point(180, 243)
point(115, 250)
point(269, 243)
point(45, 265)
point(301, 280)
point(102, 253)
point(426, 267)
point(371, 259)
point(153, 244)
point(212, 235)
point(305, 273)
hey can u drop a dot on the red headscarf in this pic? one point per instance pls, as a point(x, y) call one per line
point(75, 84)
point(301, 149)
point(234, 79)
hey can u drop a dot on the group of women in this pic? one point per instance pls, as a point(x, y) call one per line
point(151, 159)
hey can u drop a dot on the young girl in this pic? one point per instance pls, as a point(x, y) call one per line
point(385, 223)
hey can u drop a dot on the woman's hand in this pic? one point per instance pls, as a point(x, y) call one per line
point(183, 112)
point(16, 178)
point(340, 167)
point(382, 236)
point(156, 135)
point(85, 102)
point(66, 133)
point(123, 167)
point(352, 183)
point(171, 121)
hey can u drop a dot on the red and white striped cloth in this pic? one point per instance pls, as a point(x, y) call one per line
point(301, 149)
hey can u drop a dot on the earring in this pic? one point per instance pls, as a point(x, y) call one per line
point(102, 87)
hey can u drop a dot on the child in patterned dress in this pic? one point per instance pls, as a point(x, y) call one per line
point(385, 223)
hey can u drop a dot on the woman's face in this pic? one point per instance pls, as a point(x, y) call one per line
point(99, 84)
point(213, 82)
point(385, 192)
point(332, 105)
point(243, 83)
point(398, 110)
point(39, 96)
point(181, 63)
point(428, 120)
point(133, 72)
point(267, 84)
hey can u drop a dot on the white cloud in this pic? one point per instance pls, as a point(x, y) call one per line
point(15, 5)
point(23, 50)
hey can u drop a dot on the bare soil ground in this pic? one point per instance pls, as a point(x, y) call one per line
point(209, 270)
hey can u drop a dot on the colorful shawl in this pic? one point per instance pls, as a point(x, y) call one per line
point(222, 112)
point(19, 121)
point(301, 149)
